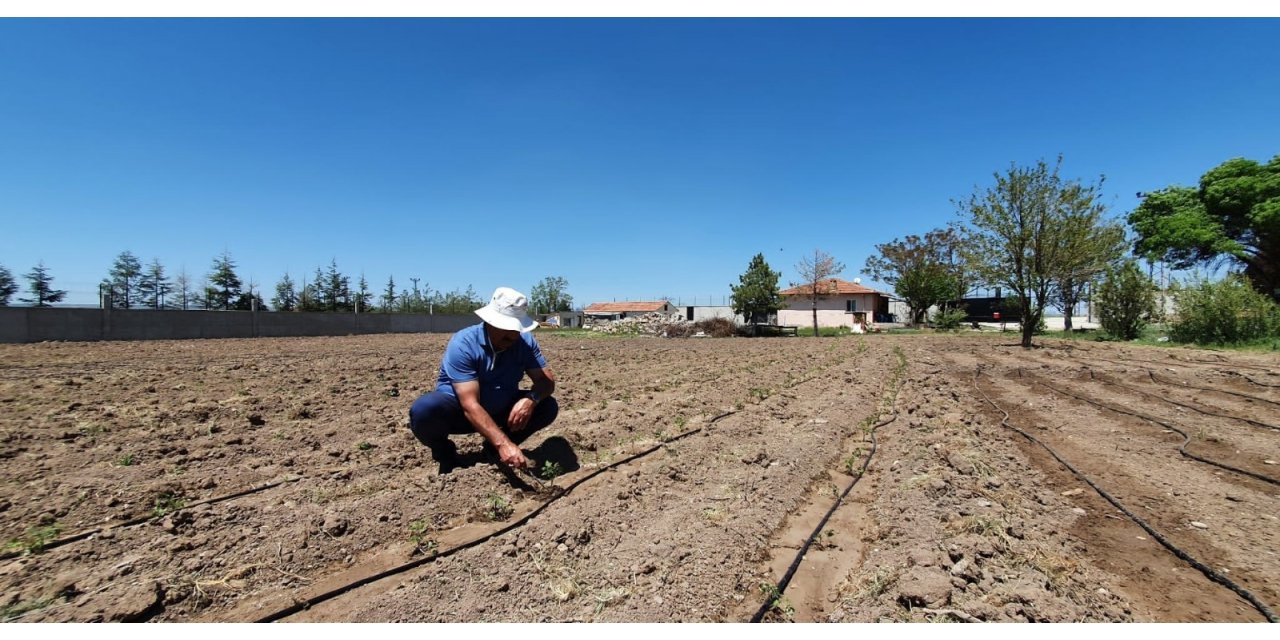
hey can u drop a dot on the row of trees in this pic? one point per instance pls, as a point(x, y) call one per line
point(39, 283)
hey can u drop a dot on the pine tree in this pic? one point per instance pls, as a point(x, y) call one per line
point(224, 285)
point(153, 286)
point(286, 298)
point(389, 295)
point(756, 296)
point(123, 280)
point(7, 286)
point(41, 287)
point(360, 302)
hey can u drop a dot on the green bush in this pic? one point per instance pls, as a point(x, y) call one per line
point(949, 319)
point(1126, 301)
point(1228, 311)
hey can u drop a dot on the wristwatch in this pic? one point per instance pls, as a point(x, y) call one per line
point(533, 395)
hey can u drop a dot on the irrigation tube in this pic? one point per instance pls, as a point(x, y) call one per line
point(1181, 404)
point(148, 518)
point(1208, 572)
point(804, 548)
point(298, 606)
point(1186, 438)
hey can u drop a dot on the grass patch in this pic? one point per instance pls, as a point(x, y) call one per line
point(33, 540)
point(167, 503)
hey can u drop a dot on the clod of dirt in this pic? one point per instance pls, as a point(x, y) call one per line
point(136, 603)
point(924, 586)
point(334, 524)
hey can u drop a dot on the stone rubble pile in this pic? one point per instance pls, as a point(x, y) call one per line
point(649, 324)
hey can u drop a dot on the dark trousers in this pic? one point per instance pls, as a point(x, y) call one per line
point(436, 415)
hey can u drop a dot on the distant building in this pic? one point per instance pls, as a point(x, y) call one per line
point(620, 310)
point(843, 304)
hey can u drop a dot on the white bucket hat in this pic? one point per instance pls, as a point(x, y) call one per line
point(509, 310)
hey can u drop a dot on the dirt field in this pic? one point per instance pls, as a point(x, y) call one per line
point(275, 479)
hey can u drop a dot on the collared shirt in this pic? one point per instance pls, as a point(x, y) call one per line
point(469, 357)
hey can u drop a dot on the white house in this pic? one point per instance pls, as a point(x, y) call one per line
point(843, 304)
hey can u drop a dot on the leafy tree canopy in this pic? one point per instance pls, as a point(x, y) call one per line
point(550, 296)
point(1233, 215)
point(924, 271)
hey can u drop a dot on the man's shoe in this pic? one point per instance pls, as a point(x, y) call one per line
point(446, 454)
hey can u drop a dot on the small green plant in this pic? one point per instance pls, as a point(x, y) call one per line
point(422, 543)
point(19, 609)
point(167, 503)
point(776, 601)
point(126, 460)
point(550, 470)
point(34, 539)
point(680, 422)
point(364, 446)
point(498, 508)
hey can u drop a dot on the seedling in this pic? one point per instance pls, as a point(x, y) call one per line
point(34, 540)
point(364, 446)
point(421, 542)
point(776, 601)
point(498, 509)
point(550, 470)
point(125, 460)
point(167, 503)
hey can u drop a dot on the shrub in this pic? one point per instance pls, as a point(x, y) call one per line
point(1228, 311)
point(949, 319)
point(1126, 301)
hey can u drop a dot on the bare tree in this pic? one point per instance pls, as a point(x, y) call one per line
point(817, 275)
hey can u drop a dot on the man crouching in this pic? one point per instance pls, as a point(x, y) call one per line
point(478, 388)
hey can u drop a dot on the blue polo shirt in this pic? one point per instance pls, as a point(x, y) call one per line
point(469, 356)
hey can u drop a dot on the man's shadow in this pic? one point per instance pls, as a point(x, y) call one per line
point(554, 450)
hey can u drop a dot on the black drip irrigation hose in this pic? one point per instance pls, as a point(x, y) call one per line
point(1157, 396)
point(1152, 375)
point(804, 548)
point(1186, 438)
point(1208, 571)
point(148, 518)
point(299, 606)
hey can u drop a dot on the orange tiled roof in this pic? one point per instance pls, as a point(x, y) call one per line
point(624, 307)
point(829, 287)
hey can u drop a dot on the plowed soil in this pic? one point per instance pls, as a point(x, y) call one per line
point(275, 479)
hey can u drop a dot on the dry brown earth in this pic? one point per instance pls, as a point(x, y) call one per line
point(236, 480)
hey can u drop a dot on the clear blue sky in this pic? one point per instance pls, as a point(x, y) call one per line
point(635, 158)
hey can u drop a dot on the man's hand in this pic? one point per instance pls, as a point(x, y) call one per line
point(520, 414)
point(512, 456)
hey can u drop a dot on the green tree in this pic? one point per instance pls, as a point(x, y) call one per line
point(123, 280)
point(816, 275)
point(1126, 301)
point(223, 290)
point(40, 283)
point(550, 296)
point(360, 301)
point(389, 295)
point(286, 298)
point(756, 296)
point(335, 288)
point(153, 285)
point(923, 271)
point(1092, 245)
point(1017, 234)
point(457, 302)
point(7, 286)
point(1234, 215)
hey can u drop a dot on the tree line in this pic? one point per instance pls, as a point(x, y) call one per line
point(129, 284)
point(1047, 240)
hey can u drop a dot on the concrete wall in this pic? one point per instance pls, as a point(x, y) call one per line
point(697, 314)
point(26, 324)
